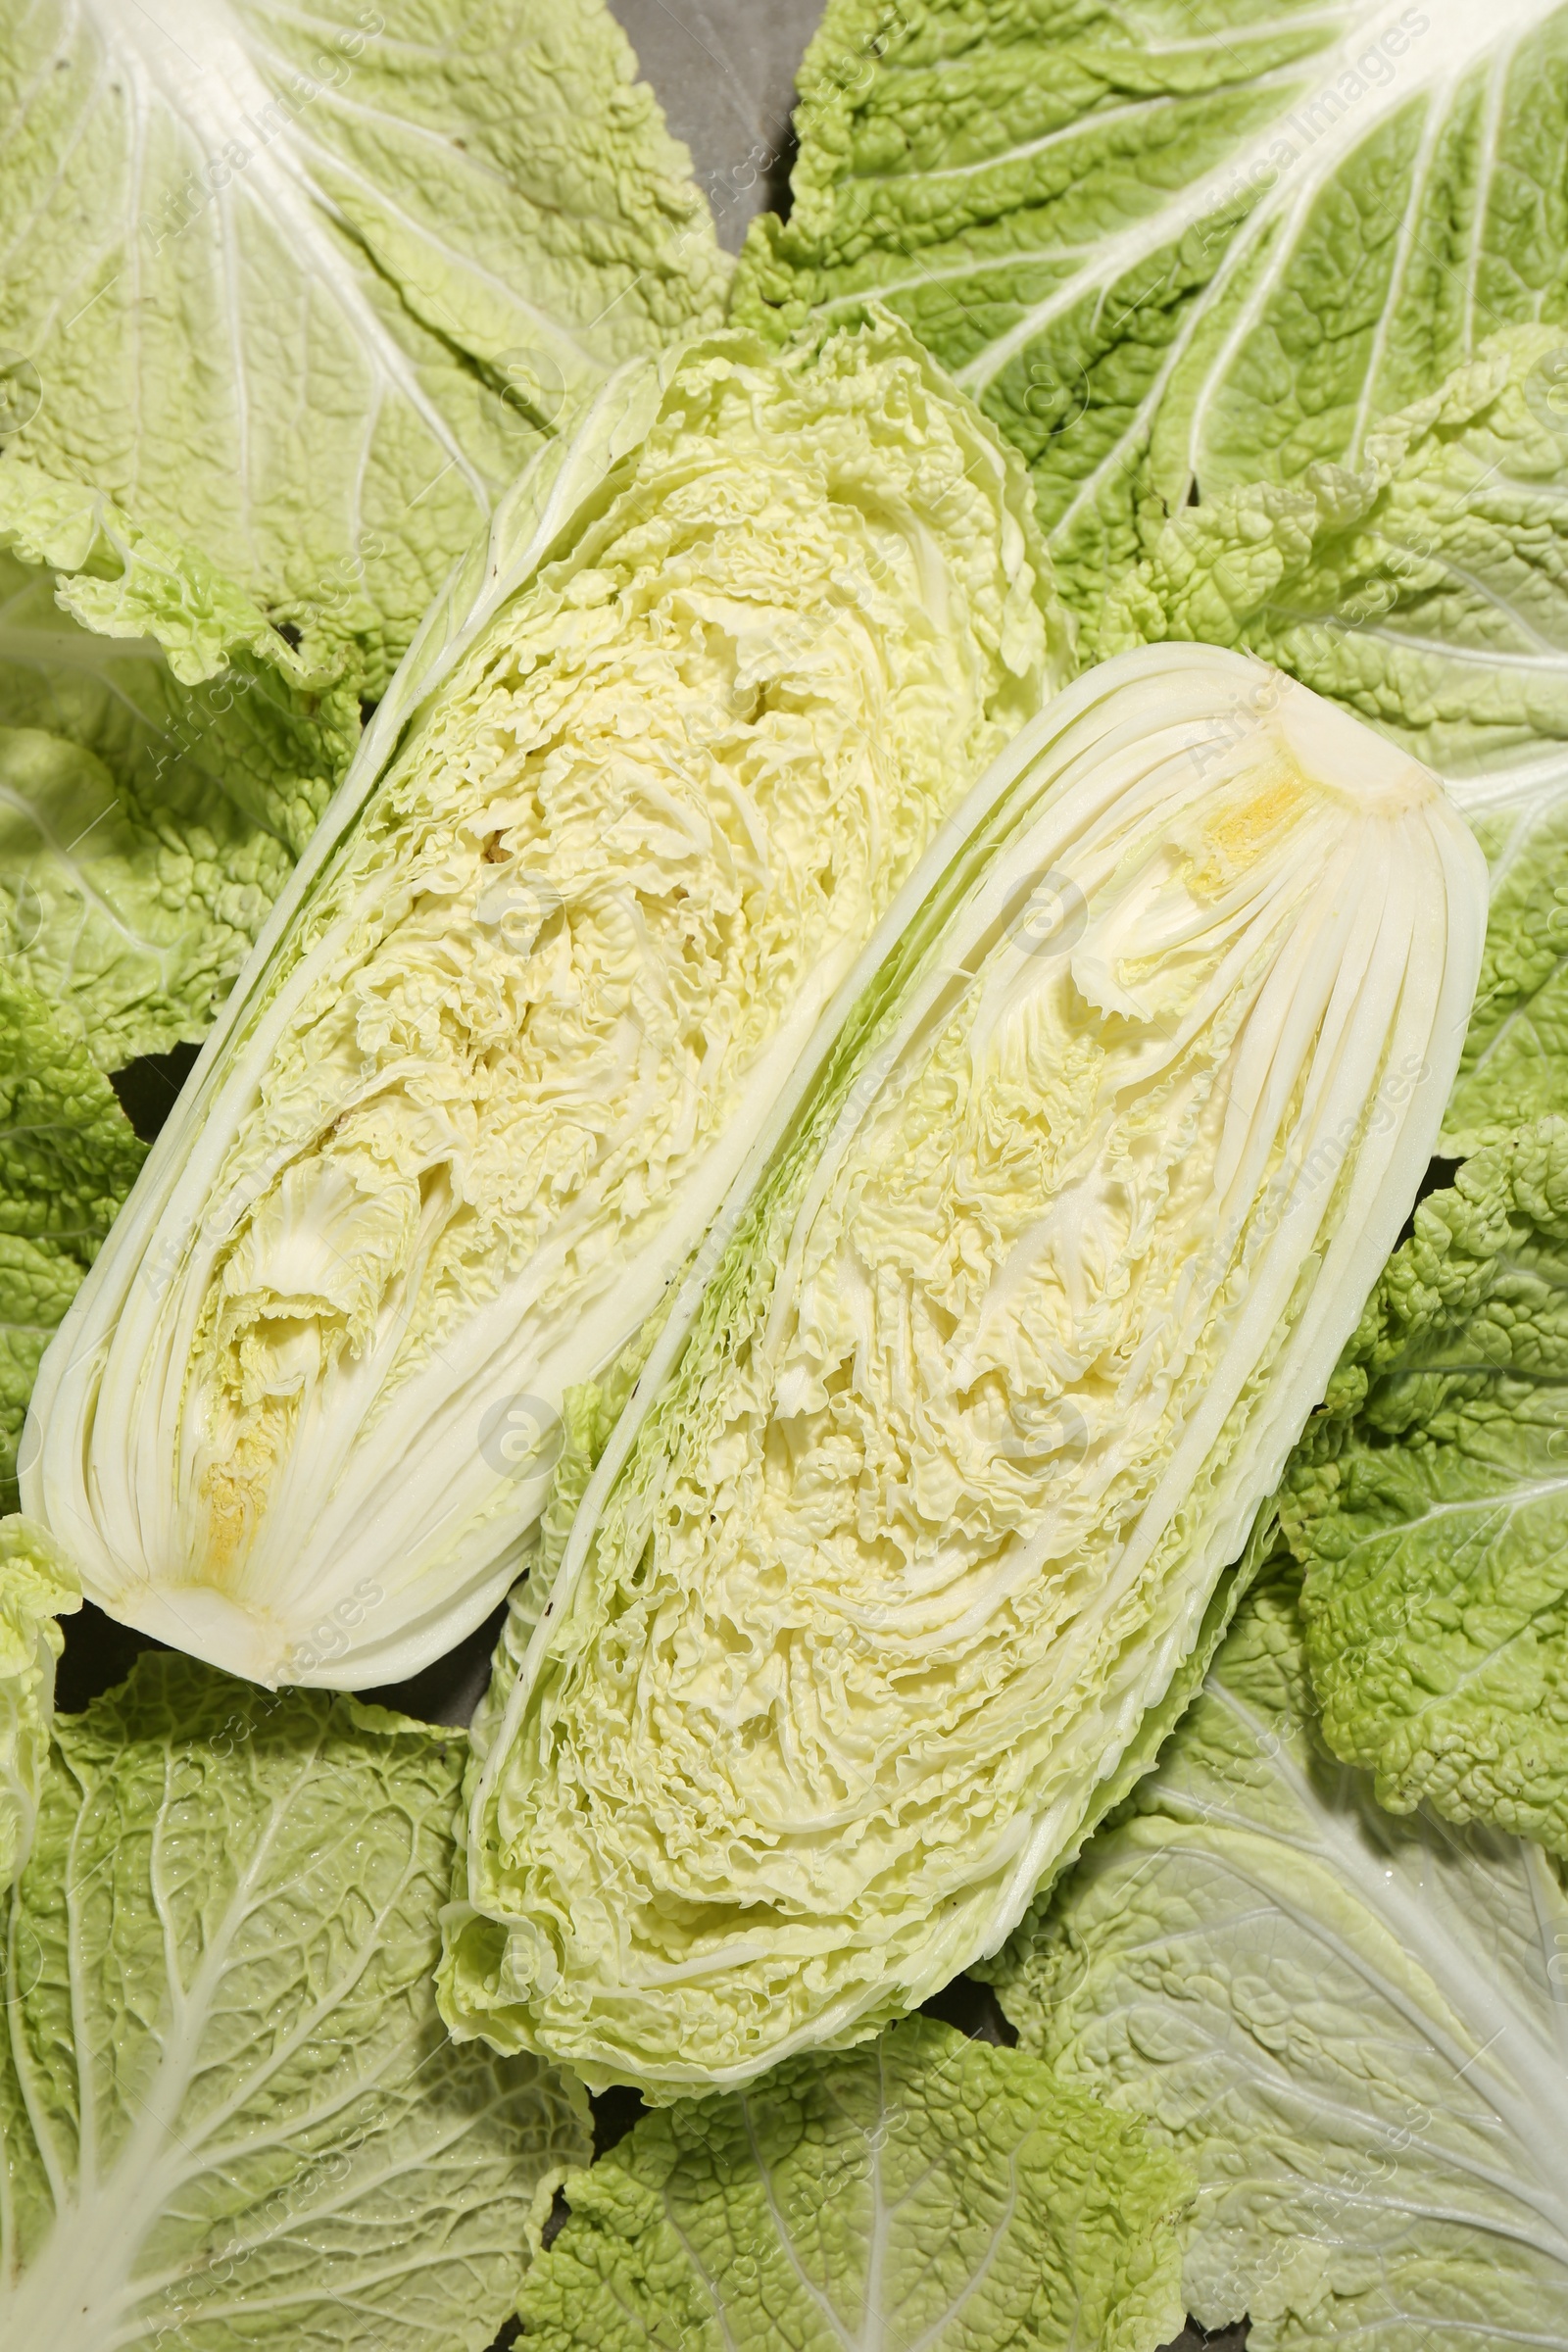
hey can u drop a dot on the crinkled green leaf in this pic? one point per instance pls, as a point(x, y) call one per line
point(1351, 2027)
point(1430, 1505)
point(306, 289)
point(1515, 1063)
point(166, 755)
point(37, 1587)
point(1514, 1068)
point(229, 2112)
point(927, 2194)
point(202, 694)
point(39, 1280)
point(121, 580)
point(1171, 250)
point(67, 1159)
point(130, 930)
point(1427, 589)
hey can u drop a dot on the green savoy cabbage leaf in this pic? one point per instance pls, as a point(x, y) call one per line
point(1430, 1505)
point(927, 2192)
point(1426, 589)
point(38, 1588)
point(131, 931)
point(925, 1495)
point(1174, 252)
point(227, 2108)
point(67, 1159)
point(1515, 1068)
point(164, 755)
point(669, 744)
point(306, 288)
point(1352, 2027)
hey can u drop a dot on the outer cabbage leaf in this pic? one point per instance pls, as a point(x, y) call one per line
point(130, 931)
point(228, 2111)
point(927, 2191)
point(38, 1588)
point(1515, 1063)
point(1428, 590)
point(1430, 1505)
point(1351, 2027)
point(924, 1496)
point(664, 753)
point(1169, 254)
point(306, 288)
point(168, 753)
point(67, 1159)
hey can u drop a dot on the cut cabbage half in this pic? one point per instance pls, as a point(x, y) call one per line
point(912, 1535)
point(659, 761)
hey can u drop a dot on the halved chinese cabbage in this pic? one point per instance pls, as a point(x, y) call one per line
point(914, 1525)
point(660, 759)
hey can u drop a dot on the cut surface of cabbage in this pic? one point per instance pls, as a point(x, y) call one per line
point(653, 774)
point(923, 1497)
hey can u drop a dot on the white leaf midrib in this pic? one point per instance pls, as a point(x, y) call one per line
point(214, 94)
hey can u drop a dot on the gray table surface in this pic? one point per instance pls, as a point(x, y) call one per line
point(724, 71)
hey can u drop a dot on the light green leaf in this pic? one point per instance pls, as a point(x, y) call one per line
point(1427, 590)
point(1166, 251)
point(167, 752)
point(204, 696)
point(228, 2111)
point(308, 288)
point(1514, 1068)
point(67, 1159)
point(1354, 2029)
point(37, 1587)
point(1430, 1505)
point(132, 582)
point(927, 2194)
point(130, 930)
